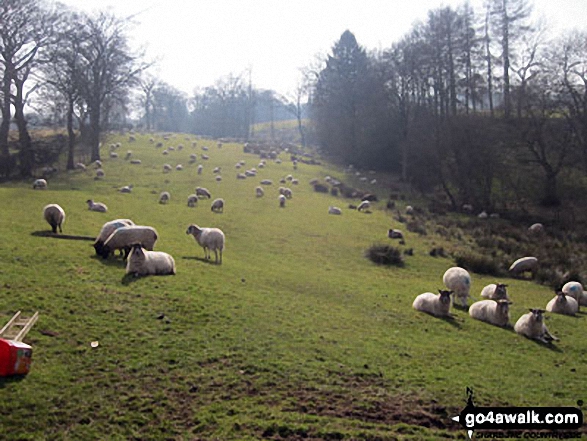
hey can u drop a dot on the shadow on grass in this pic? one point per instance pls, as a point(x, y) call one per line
point(47, 233)
point(110, 261)
point(131, 278)
point(550, 346)
point(12, 379)
point(200, 259)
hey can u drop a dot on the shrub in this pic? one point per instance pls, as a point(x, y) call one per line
point(478, 263)
point(321, 188)
point(416, 227)
point(385, 255)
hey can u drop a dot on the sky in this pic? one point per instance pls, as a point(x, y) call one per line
point(196, 42)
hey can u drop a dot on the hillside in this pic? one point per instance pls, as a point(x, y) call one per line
point(295, 336)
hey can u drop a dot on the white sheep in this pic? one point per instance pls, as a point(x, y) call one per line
point(334, 210)
point(98, 163)
point(241, 176)
point(164, 197)
point(107, 229)
point(80, 166)
point(124, 237)
point(205, 157)
point(216, 170)
point(100, 174)
point(211, 239)
point(266, 182)
point(495, 312)
point(217, 205)
point(192, 200)
point(409, 210)
point(524, 264)
point(128, 155)
point(563, 304)
point(96, 206)
point(141, 262)
point(203, 192)
point(200, 168)
point(40, 184)
point(495, 291)
point(259, 192)
point(287, 193)
point(55, 216)
point(458, 280)
point(125, 189)
point(282, 201)
point(575, 290)
point(218, 178)
point(536, 228)
point(531, 325)
point(167, 168)
point(179, 167)
point(436, 304)
point(364, 206)
point(113, 155)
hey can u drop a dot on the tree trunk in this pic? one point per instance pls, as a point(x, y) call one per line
point(26, 154)
point(70, 136)
point(551, 198)
point(5, 125)
point(95, 132)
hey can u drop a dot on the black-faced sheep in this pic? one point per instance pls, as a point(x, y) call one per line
point(55, 216)
point(458, 281)
point(124, 237)
point(531, 325)
point(217, 205)
point(96, 206)
point(437, 305)
point(495, 312)
point(495, 291)
point(107, 229)
point(563, 304)
point(143, 263)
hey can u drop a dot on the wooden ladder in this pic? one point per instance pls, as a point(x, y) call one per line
point(18, 327)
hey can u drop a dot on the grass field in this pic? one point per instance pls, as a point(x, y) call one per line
point(295, 336)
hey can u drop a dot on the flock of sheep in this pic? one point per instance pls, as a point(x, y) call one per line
point(495, 309)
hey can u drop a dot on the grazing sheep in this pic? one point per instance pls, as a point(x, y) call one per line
point(334, 210)
point(287, 193)
point(531, 325)
point(536, 228)
point(524, 264)
point(124, 237)
point(409, 210)
point(97, 163)
point(259, 192)
point(55, 216)
point(495, 312)
point(96, 206)
point(167, 168)
point(179, 167)
point(295, 182)
point(141, 262)
point(107, 229)
point(192, 200)
point(216, 170)
point(217, 205)
point(211, 239)
point(281, 201)
point(40, 184)
point(113, 155)
point(458, 280)
point(218, 178)
point(563, 304)
point(241, 176)
point(164, 197)
point(364, 206)
point(100, 173)
point(203, 192)
point(436, 304)
point(128, 155)
point(575, 290)
point(395, 234)
point(495, 291)
point(200, 168)
point(205, 157)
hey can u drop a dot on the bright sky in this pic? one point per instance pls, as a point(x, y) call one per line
point(197, 42)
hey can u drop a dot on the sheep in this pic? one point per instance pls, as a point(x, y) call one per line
point(266, 182)
point(113, 155)
point(495, 291)
point(259, 192)
point(458, 280)
point(250, 173)
point(334, 210)
point(281, 201)
point(80, 166)
point(179, 167)
point(205, 157)
point(128, 155)
point(524, 264)
point(141, 262)
point(409, 210)
point(99, 173)
point(287, 193)
point(167, 168)
point(217, 205)
point(364, 206)
point(395, 234)
point(55, 216)
point(98, 163)
point(216, 170)
point(218, 178)
point(531, 325)
point(563, 304)
point(124, 237)
point(295, 181)
point(203, 192)
point(164, 197)
point(437, 305)
point(200, 168)
point(241, 176)
point(40, 184)
point(495, 312)
point(483, 215)
point(107, 229)
point(192, 200)
point(125, 189)
point(536, 228)
point(211, 239)
point(467, 208)
point(575, 290)
point(96, 206)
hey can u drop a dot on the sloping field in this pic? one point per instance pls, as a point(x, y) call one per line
point(295, 336)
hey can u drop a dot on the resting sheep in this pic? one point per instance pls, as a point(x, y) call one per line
point(395, 234)
point(495, 312)
point(334, 210)
point(531, 325)
point(524, 264)
point(96, 206)
point(575, 290)
point(107, 229)
point(458, 281)
point(217, 205)
point(143, 263)
point(495, 291)
point(55, 216)
point(209, 239)
point(164, 197)
point(124, 237)
point(563, 304)
point(40, 184)
point(436, 304)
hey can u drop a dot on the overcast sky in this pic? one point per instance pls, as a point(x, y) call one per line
point(198, 41)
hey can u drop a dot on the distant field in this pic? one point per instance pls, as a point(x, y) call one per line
point(295, 336)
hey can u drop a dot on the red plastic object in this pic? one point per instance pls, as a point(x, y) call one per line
point(15, 358)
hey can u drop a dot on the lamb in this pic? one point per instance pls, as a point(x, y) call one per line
point(334, 210)
point(531, 325)
point(217, 205)
point(281, 201)
point(495, 291)
point(96, 206)
point(575, 290)
point(259, 192)
point(495, 312)
point(192, 200)
point(209, 239)
point(364, 206)
point(164, 197)
point(143, 263)
point(107, 229)
point(55, 216)
point(203, 192)
point(524, 264)
point(124, 237)
point(563, 304)
point(437, 305)
point(458, 281)
point(40, 184)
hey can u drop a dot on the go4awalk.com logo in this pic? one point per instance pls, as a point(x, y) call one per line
point(520, 422)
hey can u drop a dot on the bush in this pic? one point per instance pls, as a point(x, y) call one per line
point(417, 227)
point(321, 188)
point(385, 255)
point(478, 263)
